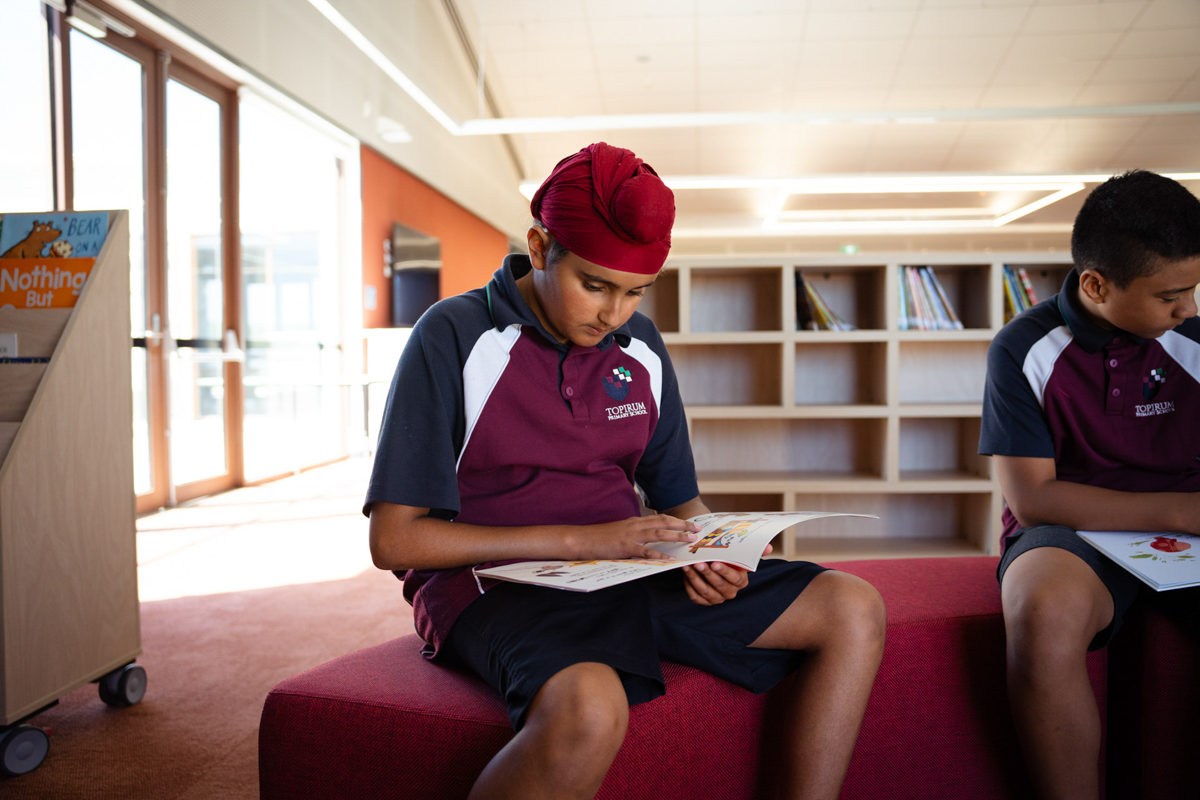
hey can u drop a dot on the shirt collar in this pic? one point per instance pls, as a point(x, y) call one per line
point(1090, 336)
point(507, 307)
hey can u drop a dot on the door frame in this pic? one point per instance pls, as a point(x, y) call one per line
point(161, 61)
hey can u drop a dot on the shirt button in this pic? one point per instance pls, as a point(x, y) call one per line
point(1116, 392)
point(1112, 362)
point(570, 392)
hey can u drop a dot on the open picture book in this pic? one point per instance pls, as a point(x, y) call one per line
point(1161, 560)
point(737, 538)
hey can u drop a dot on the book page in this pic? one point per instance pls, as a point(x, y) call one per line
point(732, 538)
point(1162, 560)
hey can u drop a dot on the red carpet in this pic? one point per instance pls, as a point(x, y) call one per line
point(210, 662)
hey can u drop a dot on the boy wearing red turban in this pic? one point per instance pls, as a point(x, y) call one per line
point(526, 412)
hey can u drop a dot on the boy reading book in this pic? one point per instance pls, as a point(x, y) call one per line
point(1090, 412)
point(520, 418)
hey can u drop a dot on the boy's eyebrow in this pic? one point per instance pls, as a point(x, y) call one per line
point(1177, 291)
point(598, 279)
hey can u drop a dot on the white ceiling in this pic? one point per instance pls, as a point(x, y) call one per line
point(548, 58)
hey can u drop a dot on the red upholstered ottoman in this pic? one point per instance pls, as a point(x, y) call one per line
point(1154, 713)
point(383, 722)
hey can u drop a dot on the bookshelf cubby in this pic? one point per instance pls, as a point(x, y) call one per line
point(855, 293)
point(876, 420)
point(68, 564)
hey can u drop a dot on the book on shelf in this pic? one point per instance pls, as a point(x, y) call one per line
point(55, 234)
point(1027, 285)
point(1018, 291)
point(924, 303)
point(736, 538)
point(45, 259)
point(823, 317)
point(1161, 560)
point(805, 318)
point(943, 301)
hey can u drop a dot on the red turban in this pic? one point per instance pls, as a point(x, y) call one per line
point(606, 205)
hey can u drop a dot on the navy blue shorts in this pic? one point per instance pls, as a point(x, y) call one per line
point(1123, 587)
point(516, 637)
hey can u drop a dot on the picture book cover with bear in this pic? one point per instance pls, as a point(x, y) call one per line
point(46, 258)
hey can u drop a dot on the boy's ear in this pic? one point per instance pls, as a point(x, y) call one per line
point(1095, 286)
point(538, 241)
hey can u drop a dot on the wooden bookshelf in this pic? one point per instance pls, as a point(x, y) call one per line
point(875, 420)
point(68, 566)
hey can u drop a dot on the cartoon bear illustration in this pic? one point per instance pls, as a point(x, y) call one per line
point(31, 246)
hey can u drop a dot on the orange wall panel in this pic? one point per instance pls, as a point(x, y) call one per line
point(471, 249)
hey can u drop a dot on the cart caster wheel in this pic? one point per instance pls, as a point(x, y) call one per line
point(23, 749)
point(123, 687)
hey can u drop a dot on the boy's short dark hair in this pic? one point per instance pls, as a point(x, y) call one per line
point(556, 252)
point(1129, 219)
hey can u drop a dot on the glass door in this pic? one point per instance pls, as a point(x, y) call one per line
point(195, 289)
point(153, 137)
point(110, 111)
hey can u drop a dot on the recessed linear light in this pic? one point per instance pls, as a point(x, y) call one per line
point(706, 119)
point(885, 183)
point(1058, 192)
point(862, 229)
point(820, 214)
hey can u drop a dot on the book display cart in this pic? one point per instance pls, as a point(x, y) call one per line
point(875, 420)
point(68, 566)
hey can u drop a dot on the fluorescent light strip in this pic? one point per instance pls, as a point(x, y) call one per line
point(775, 214)
point(884, 184)
point(384, 63)
point(608, 122)
point(882, 229)
point(1066, 191)
point(897, 214)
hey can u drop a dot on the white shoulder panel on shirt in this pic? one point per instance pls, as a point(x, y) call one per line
point(1185, 352)
point(482, 371)
point(1039, 361)
point(641, 352)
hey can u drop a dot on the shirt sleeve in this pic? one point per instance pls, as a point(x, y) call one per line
point(667, 472)
point(421, 431)
point(1013, 423)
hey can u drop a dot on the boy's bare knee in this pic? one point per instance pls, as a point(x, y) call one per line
point(837, 609)
point(582, 713)
point(860, 613)
point(1049, 624)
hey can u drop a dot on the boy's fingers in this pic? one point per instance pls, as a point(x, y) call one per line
point(697, 587)
point(713, 585)
point(725, 580)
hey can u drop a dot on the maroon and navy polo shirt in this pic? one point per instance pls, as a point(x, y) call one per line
point(491, 421)
point(1112, 409)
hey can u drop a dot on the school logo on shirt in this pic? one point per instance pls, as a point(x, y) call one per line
point(617, 384)
point(626, 410)
point(1151, 383)
point(1154, 409)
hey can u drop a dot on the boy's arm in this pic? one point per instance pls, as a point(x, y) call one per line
point(1036, 497)
point(406, 537)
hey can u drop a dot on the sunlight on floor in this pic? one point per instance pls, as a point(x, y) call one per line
point(302, 529)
